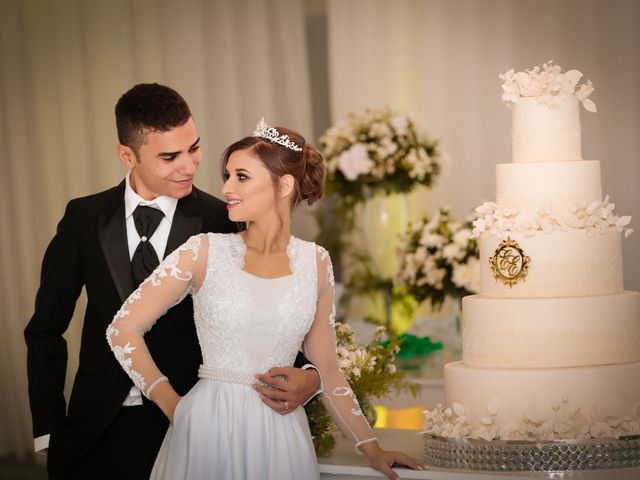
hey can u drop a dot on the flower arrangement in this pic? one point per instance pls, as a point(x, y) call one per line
point(376, 152)
point(594, 217)
point(379, 150)
point(548, 84)
point(370, 371)
point(438, 258)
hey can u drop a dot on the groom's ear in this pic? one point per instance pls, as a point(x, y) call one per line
point(126, 155)
point(285, 185)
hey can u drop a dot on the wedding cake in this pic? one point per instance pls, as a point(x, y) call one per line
point(551, 345)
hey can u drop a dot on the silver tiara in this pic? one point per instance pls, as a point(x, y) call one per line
point(265, 131)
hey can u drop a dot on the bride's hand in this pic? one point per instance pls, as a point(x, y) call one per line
point(166, 398)
point(383, 460)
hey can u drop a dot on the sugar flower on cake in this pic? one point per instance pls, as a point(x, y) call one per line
point(438, 258)
point(560, 421)
point(548, 83)
point(378, 150)
point(596, 217)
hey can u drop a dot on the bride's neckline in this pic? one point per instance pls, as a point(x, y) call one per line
point(243, 253)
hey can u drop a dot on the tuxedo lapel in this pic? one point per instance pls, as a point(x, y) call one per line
point(112, 231)
point(187, 221)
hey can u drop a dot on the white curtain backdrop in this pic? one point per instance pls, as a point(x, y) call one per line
point(441, 58)
point(63, 66)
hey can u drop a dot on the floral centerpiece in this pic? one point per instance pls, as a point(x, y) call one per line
point(370, 371)
point(379, 150)
point(439, 258)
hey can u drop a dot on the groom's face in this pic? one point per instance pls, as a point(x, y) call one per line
point(166, 163)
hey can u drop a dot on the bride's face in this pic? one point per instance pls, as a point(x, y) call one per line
point(248, 188)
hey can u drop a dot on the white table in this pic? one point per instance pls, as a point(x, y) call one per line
point(346, 464)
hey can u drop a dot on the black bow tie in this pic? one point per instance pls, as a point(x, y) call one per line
point(145, 259)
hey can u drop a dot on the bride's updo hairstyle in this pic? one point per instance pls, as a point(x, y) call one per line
point(305, 166)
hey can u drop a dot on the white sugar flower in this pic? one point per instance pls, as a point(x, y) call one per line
point(548, 84)
point(510, 431)
point(486, 433)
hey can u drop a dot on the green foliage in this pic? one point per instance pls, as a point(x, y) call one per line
point(371, 373)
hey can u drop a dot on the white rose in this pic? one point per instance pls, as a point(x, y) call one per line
point(462, 237)
point(421, 255)
point(355, 162)
point(467, 275)
point(452, 251)
point(379, 129)
point(430, 239)
point(400, 123)
point(435, 276)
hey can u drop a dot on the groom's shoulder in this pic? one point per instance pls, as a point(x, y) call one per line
point(108, 198)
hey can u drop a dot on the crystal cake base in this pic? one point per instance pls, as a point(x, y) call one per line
point(549, 456)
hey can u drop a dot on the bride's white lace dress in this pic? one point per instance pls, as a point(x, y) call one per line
point(246, 325)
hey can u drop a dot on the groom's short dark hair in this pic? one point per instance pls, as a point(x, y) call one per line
point(148, 107)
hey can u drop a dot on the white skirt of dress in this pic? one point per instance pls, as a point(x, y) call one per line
point(224, 431)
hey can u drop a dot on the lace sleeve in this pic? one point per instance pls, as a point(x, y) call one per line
point(178, 275)
point(320, 347)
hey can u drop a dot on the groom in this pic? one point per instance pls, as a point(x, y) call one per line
point(107, 243)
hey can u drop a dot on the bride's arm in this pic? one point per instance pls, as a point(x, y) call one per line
point(338, 398)
point(179, 274)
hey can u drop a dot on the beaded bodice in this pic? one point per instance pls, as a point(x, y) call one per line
point(248, 324)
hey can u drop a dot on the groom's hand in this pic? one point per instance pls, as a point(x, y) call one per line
point(287, 388)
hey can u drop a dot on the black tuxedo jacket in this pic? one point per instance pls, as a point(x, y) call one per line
point(90, 249)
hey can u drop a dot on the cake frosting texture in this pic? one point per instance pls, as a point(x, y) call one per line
point(551, 332)
point(540, 133)
point(559, 186)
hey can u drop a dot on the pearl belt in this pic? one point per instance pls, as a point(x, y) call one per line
point(229, 376)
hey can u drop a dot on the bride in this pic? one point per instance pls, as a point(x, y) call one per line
point(259, 296)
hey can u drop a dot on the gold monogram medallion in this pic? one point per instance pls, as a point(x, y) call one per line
point(509, 264)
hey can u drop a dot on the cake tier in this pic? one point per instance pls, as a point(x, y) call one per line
point(562, 403)
point(545, 134)
point(551, 332)
point(558, 185)
point(561, 264)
